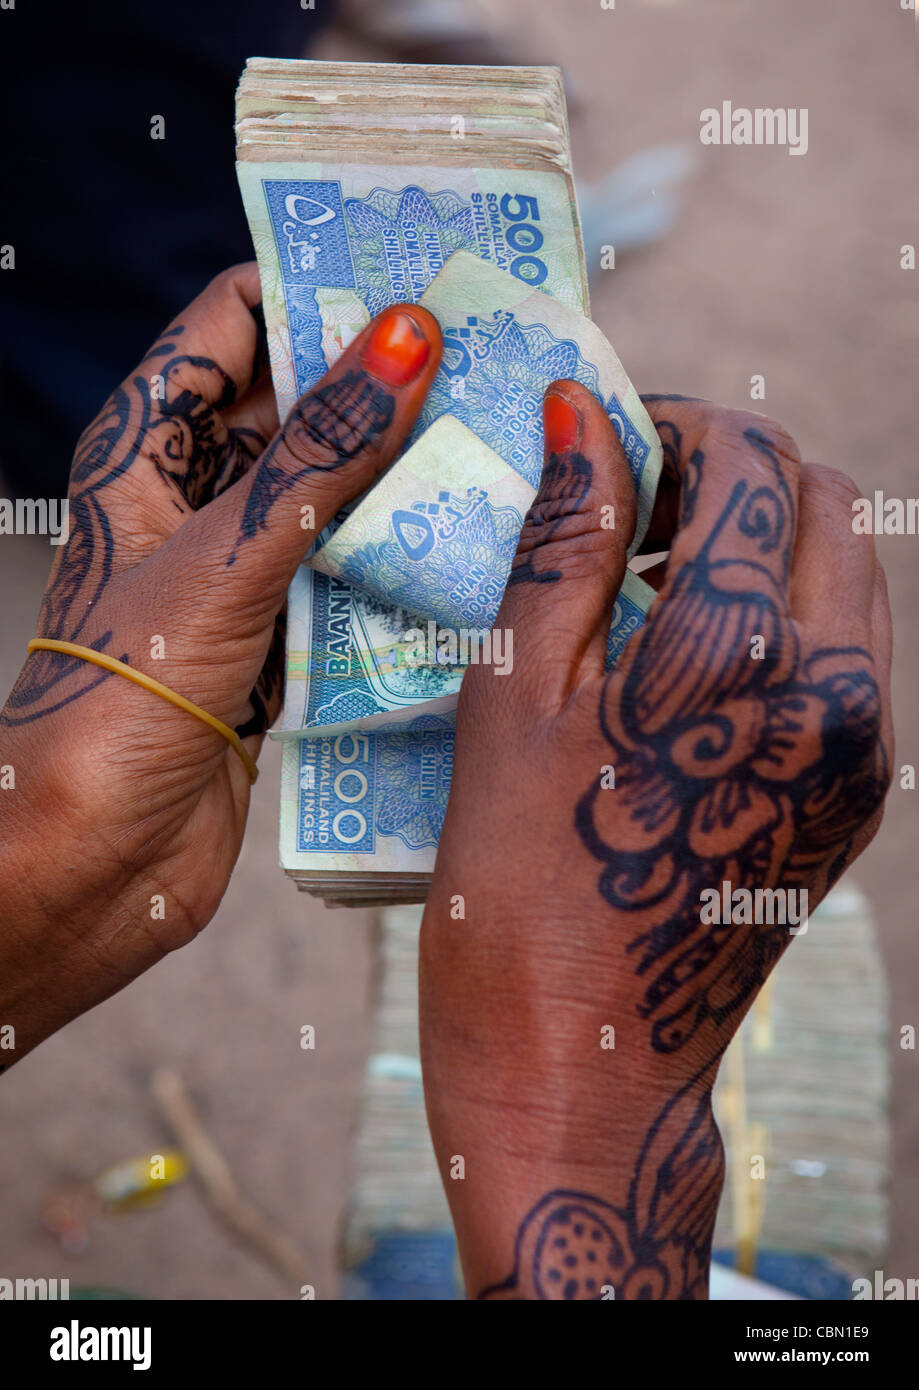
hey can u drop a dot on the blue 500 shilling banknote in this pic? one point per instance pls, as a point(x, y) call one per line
point(333, 251)
point(335, 245)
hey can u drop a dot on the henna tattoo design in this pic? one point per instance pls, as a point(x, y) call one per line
point(346, 416)
point(575, 1245)
point(563, 492)
point(754, 772)
point(172, 426)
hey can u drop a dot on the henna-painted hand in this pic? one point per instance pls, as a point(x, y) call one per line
point(185, 531)
point(743, 738)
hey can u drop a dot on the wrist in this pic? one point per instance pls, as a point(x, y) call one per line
point(624, 1208)
point(58, 902)
point(513, 1034)
point(541, 1080)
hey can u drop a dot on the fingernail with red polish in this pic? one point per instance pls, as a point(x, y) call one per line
point(397, 350)
point(561, 424)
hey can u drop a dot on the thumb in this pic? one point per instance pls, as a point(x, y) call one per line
point(335, 442)
point(571, 556)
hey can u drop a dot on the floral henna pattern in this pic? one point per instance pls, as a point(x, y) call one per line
point(183, 434)
point(759, 772)
point(574, 1245)
point(728, 768)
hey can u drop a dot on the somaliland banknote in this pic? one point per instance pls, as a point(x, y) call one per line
point(437, 534)
point(363, 802)
point(335, 245)
point(504, 342)
point(346, 221)
point(348, 636)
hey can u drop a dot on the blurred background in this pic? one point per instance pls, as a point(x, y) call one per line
point(730, 262)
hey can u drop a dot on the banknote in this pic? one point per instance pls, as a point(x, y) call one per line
point(504, 342)
point(374, 803)
point(366, 803)
point(345, 657)
point(503, 345)
point(336, 244)
point(448, 559)
point(360, 183)
point(350, 658)
point(437, 534)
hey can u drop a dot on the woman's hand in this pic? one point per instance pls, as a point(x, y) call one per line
point(579, 981)
point(185, 531)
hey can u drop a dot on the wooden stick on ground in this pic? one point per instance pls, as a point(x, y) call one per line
point(220, 1187)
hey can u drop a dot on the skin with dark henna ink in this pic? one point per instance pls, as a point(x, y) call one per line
point(563, 492)
point(721, 771)
point(575, 1245)
point(158, 419)
point(342, 417)
point(746, 751)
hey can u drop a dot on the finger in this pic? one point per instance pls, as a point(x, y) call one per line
point(838, 589)
point(839, 596)
point(254, 417)
point(160, 446)
point(738, 475)
point(834, 569)
point(214, 348)
point(665, 514)
point(243, 549)
point(571, 556)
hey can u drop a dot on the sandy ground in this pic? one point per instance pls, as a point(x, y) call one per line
point(783, 266)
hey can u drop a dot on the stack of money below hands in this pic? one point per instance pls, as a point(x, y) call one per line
point(368, 185)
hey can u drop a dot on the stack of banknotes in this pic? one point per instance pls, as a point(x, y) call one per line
point(367, 185)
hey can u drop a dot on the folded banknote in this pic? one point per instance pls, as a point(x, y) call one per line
point(365, 185)
point(503, 345)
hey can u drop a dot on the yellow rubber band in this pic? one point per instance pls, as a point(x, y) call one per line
point(110, 663)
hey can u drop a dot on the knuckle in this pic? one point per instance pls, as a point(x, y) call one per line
point(224, 280)
point(834, 498)
point(562, 522)
point(853, 745)
point(740, 427)
point(833, 483)
point(309, 436)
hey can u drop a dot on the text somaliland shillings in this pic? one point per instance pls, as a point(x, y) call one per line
point(362, 802)
point(335, 245)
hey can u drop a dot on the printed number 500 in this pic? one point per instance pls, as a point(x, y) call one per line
point(524, 237)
